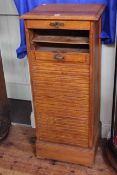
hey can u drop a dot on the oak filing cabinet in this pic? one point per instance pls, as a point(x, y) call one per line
point(64, 58)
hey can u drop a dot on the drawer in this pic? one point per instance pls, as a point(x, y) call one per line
point(52, 24)
point(62, 57)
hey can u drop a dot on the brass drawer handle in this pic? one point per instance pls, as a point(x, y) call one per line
point(56, 24)
point(58, 57)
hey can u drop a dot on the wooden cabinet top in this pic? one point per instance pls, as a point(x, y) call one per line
point(66, 12)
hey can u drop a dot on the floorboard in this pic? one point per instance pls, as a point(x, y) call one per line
point(17, 157)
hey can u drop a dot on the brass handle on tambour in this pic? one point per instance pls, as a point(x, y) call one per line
point(58, 57)
point(56, 24)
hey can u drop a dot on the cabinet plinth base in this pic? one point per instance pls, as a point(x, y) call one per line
point(71, 154)
point(67, 153)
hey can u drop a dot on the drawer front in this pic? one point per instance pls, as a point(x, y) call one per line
point(62, 57)
point(52, 24)
point(61, 100)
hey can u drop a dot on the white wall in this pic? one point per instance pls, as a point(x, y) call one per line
point(107, 82)
point(16, 71)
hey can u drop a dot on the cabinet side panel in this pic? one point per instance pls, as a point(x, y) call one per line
point(94, 81)
point(97, 74)
point(31, 56)
point(91, 84)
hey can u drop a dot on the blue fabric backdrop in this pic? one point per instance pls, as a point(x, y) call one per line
point(108, 20)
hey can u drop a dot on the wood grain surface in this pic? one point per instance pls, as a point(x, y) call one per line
point(62, 116)
point(46, 24)
point(17, 157)
point(67, 12)
point(67, 57)
point(61, 39)
point(68, 50)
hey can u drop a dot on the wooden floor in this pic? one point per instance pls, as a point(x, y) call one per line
point(17, 157)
